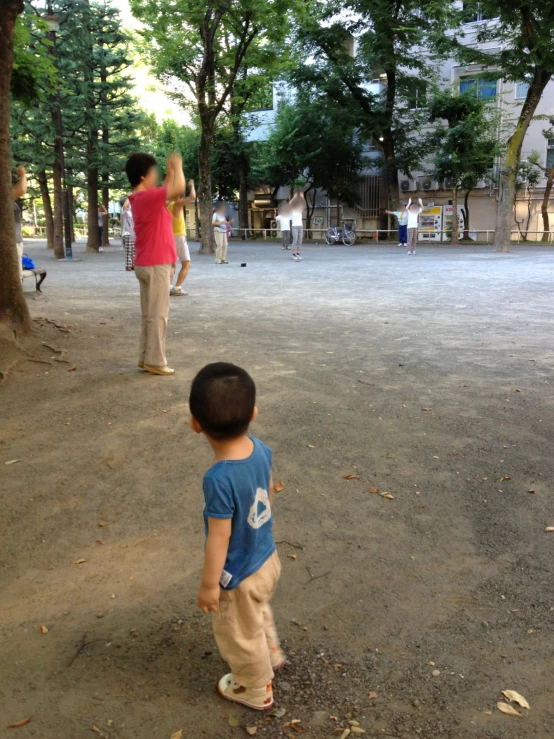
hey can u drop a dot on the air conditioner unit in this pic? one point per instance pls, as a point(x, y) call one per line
point(428, 184)
point(408, 185)
point(481, 184)
point(448, 183)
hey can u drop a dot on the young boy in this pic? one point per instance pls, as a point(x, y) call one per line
point(241, 565)
point(177, 210)
point(402, 216)
point(283, 221)
point(155, 254)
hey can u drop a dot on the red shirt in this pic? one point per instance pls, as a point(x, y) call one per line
point(154, 242)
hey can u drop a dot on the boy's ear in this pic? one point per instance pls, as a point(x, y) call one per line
point(254, 414)
point(195, 426)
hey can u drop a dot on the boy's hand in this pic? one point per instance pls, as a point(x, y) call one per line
point(208, 598)
point(21, 171)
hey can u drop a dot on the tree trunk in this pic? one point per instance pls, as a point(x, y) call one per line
point(466, 215)
point(243, 165)
point(198, 233)
point(455, 239)
point(71, 204)
point(105, 173)
point(92, 220)
point(14, 313)
point(508, 176)
point(57, 177)
point(544, 206)
point(205, 188)
point(47, 207)
point(310, 210)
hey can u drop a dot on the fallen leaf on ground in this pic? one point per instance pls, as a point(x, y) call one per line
point(72, 369)
point(345, 733)
point(372, 695)
point(177, 734)
point(99, 541)
point(251, 730)
point(353, 723)
point(298, 729)
point(505, 708)
point(426, 409)
point(96, 729)
point(233, 721)
point(311, 446)
point(278, 712)
point(517, 390)
point(530, 631)
point(531, 491)
point(435, 456)
point(43, 629)
point(357, 730)
point(292, 556)
point(12, 461)
point(505, 478)
point(388, 496)
point(279, 486)
point(511, 695)
point(351, 477)
point(549, 529)
point(101, 524)
point(79, 561)
point(20, 723)
point(374, 490)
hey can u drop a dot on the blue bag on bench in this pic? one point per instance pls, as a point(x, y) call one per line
point(27, 262)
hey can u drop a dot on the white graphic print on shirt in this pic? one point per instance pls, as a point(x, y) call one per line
point(256, 518)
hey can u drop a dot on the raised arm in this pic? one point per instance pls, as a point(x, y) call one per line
point(20, 187)
point(175, 178)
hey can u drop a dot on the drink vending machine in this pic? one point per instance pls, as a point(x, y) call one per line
point(430, 223)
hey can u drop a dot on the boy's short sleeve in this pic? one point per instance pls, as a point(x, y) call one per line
point(219, 499)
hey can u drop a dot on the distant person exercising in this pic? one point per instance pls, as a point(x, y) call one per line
point(413, 212)
point(297, 205)
point(402, 216)
point(282, 216)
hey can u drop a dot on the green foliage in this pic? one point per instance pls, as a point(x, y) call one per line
point(313, 144)
point(464, 149)
point(34, 74)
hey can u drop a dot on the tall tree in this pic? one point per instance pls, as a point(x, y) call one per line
point(14, 313)
point(372, 58)
point(465, 149)
point(204, 46)
point(523, 32)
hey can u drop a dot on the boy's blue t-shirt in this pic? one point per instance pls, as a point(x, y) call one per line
point(239, 490)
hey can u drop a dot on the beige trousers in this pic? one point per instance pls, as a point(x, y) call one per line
point(154, 306)
point(220, 246)
point(244, 628)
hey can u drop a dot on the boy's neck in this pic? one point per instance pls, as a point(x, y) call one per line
point(239, 448)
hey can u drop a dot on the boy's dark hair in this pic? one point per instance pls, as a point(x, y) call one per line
point(137, 167)
point(222, 399)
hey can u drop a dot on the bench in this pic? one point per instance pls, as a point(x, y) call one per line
point(38, 274)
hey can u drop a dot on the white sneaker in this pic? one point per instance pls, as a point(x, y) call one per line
point(295, 257)
point(177, 291)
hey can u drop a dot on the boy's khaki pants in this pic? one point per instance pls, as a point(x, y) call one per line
point(220, 246)
point(154, 306)
point(244, 628)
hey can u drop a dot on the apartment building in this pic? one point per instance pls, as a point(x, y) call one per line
point(507, 96)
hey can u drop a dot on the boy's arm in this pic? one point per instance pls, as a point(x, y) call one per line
point(190, 198)
point(217, 544)
point(175, 178)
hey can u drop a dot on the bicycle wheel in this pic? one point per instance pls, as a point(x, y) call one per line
point(349, 238)
point(330, 236)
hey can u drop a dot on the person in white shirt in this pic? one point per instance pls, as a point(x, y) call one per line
point(220, 223)
point(128, 234)
point(283, 221)
point(413, 212)
point(297, 205)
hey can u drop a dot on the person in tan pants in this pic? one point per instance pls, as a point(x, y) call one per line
point(241, 565)
point(155, 253)
point(220, 223)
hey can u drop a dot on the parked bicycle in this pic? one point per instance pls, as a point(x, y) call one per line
point(346, 233)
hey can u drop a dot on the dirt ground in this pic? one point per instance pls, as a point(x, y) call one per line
point(429, 377)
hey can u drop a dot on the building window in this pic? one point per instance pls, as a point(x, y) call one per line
point(417, 94)
point(550, 154)
point(484, 89)
point(521, 90)
point(474, 13)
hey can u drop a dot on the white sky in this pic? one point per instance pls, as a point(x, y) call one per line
point(148, 90)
